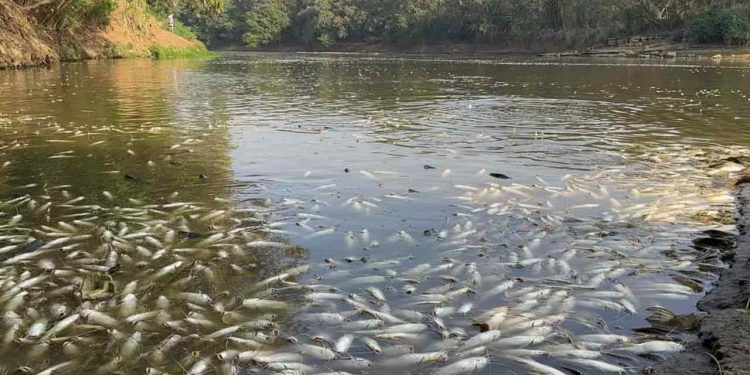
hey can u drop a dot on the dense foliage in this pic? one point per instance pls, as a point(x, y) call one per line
point(325, 22)
point(200, 8)
point(64, 15)
point(265, 21)
point(728, 26)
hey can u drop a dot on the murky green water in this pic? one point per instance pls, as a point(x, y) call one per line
point(359, 172)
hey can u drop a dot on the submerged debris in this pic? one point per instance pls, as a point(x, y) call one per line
point(499, 176)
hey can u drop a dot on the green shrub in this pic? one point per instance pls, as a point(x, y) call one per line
point(168, 52)
point(327, 40)
point(716, 26)
point(90, 12)
point(183, 30)
point(265, 22)
point(101, 10)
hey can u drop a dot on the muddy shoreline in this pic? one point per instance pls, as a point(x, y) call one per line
point(725, 332)
point(655, 51)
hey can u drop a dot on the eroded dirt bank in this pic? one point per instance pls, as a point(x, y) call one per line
point(131, 32)
point(725, 331)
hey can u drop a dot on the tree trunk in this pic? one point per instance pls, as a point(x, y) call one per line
point(553, 14)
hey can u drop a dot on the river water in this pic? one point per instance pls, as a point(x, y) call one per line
point(264, 206)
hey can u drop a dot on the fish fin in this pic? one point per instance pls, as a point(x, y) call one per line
point(660, 315)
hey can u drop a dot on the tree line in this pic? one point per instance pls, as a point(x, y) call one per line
point(314, 23)
point(572, 22)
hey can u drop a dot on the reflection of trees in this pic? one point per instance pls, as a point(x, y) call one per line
point(140, 105)
point(147, 108)
point(410, 89)
point(130, 105)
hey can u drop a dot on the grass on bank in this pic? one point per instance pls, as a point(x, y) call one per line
point(718, 364)
point(168, 52)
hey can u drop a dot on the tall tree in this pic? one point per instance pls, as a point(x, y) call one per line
point(265, 22)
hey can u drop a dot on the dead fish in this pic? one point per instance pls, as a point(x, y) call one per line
point(263, 304)
point(464, 366)
point(537, 367)
point(316, 352)
point(372, 345)
point(54, 369)
point(598, 365)
point(413, 359)
point(652, 347)
point(96, 317)
point(499, 176)
point(481, 339)
point(344, 343)
point(61, 326)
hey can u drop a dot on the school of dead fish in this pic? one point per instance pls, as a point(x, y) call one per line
point(517, 297)
point(183, 287)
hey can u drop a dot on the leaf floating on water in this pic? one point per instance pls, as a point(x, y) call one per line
point(499, 176)
point(34, 245)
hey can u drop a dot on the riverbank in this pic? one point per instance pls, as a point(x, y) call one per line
point(130, 32)
point(664, 50)
point(659, 49)
point(723, 346)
